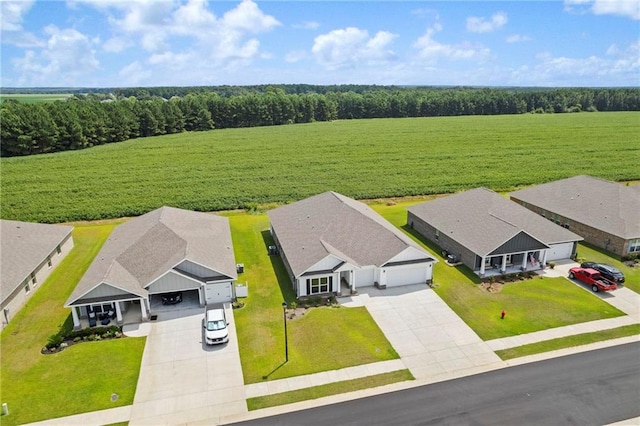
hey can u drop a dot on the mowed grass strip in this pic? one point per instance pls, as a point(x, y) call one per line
point(531, 305)
point(82, 377)
point(314, 338)
point(569, 342)
point(329, 389)
point(233, 168)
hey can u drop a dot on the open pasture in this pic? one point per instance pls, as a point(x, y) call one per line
point(239, 168)
point(32, 98)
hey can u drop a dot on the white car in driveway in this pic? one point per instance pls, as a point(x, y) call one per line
point(215, 325)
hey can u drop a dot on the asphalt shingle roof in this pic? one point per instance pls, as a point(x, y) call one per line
point(483, 220)
point(24, 246)
point(330, 223)
point(144, 248)
point(598, 203)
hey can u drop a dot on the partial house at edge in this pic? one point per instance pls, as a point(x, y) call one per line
point(30, 251)
point(605, 213)
point(164, 251)
point(490, 234)
point(333, 244)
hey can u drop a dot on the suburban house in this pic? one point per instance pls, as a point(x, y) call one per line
point(30, 251)
point(164, 251)
point(333, 244)
point(605, 213)
point(490, 234)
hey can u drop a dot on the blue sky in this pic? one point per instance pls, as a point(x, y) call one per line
point(115, 43)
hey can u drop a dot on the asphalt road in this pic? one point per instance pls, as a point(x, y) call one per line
point(590, 388)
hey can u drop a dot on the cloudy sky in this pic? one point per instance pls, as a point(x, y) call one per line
point(115, 43)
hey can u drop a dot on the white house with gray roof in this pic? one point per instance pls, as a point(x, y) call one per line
point(490, 234)
point(605, 213)
point(30, 251)
point(164, 251)
point(331, 244)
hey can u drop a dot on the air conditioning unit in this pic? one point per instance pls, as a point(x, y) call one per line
point(240, 268)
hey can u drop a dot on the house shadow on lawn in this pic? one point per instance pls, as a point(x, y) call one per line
point(284, 282)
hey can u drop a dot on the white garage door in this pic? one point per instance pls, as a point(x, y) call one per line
point(559, 251)
point(218, 293)
point(365, 277)
point(403, 276)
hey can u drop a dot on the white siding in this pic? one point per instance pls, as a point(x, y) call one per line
point(410, 253)
point(365, 277)
point(104, 290)
point(328, 262)
point(197, 270)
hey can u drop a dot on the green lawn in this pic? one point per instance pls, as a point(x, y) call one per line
point(33, 98)
point(78, 379)
point(234, 168)
point(587, 252)
point(531, 305)
point(328, 389)
point(569, 341)
point(314, 339)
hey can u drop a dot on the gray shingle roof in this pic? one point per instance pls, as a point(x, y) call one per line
point(330, 223)
point(482, 220)
point(24, 246)
point(598, 203)
point(144, 248)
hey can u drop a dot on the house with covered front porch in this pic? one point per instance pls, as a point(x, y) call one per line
point(164, 251)
point(490, 234)
point(330, 243)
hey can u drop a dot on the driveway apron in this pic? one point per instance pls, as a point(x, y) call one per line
point(182, 379)
point(432, 341)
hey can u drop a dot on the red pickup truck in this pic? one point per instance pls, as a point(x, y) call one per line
point(592, 278)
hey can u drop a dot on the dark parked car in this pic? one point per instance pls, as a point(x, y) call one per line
point(171, 298)
point(607, 271)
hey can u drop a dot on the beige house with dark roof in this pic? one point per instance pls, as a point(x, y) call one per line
point(490, 234)
point(605, 213)
point(164, 251)
point(331, 244)
point(30, 251)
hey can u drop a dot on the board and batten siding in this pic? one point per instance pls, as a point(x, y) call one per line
point(171, 282)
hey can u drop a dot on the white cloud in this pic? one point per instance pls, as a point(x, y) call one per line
point(11, 17)
point(431, 50)
point(351, 46)
point(67, 55)
point(625, 8)
point(116, 44)
point(306, 25)
point(518, 38)
point(295, 56)
point(135, 74)
point(481, 25)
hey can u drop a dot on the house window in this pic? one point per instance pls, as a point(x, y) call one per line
point(58, 250)
point(634, 246)
point(544, 213)
point(437, 235)
point(319, 285)
point(34, 281)
point(49, 262)
point(27, 289)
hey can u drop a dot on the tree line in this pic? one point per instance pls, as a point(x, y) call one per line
point(86, 120)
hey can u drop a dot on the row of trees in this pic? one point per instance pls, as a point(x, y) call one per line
point(87, 120)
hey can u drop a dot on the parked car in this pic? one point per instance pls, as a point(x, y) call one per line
point(593, 278)
point(607, 271)
point(171, 298)
point(215, 325)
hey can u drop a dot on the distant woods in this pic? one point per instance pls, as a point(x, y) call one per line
point(113, 115)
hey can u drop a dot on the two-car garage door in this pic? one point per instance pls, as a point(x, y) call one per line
point(403, 276)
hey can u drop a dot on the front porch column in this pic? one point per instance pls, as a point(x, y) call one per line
point(482, 264)
point(118, 313)
point(143, 310)
point(353, 281)
point(544, 258)
point(201, 296)
point(524, 261)
point(76, 319)
point(503, 269)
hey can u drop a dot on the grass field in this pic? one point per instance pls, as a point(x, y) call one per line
point(232, 168)
point(78, 379)
point(587, 252)
point(32, 98)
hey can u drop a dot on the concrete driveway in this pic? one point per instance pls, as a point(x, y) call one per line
point(183, 380)
point(432, 341)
